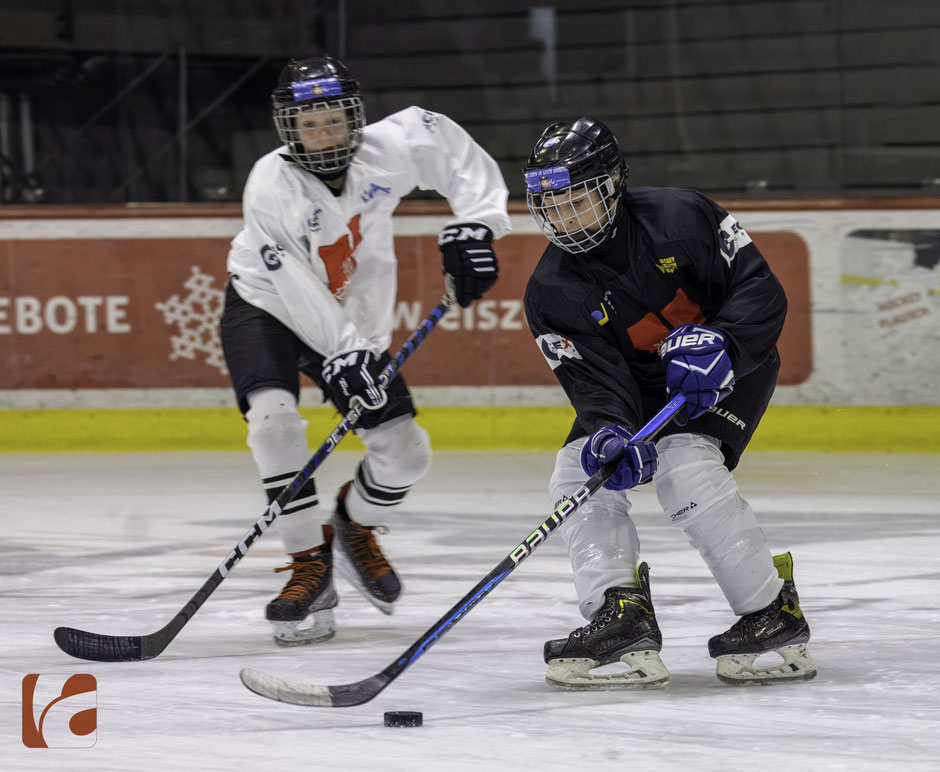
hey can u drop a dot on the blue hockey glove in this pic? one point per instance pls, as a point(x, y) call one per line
point(355, 376)
point(698, 366)
point(637, 466)
point(470, 264)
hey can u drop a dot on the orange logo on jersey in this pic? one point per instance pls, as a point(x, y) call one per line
point(339, 261)
point(650, 331)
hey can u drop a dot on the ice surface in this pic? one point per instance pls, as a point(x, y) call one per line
point(117, 544)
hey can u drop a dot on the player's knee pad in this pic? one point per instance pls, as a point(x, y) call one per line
point(700, 496)
point(399, 452)
point(276, 432)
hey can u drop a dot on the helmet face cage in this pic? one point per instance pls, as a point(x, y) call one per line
point(576, 217)
point(321, 136)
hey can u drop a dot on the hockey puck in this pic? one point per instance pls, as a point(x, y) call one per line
point(403, 718)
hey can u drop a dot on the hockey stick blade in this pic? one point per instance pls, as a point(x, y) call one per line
point(126, 648)
point(348, 695)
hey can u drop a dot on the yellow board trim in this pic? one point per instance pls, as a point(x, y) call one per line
point(909, 429)
point(876, 281)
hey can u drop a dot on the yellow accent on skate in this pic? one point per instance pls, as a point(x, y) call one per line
point(622, 602)
point(784, 565)
point(793, 610)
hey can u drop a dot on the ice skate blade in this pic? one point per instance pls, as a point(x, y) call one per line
point(645, 671)
point(344, 567)
point(320, 627)
point(739, 669)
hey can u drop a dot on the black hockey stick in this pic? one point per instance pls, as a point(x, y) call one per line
point(124, 648)
point(346, 695)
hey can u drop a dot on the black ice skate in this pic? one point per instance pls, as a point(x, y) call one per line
point(623, 630)
point(302, 613)
point(779, 627)
point(359, 559)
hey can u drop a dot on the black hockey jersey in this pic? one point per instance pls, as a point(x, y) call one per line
point(676, 257)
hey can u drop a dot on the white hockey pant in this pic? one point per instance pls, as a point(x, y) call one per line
point(700, 495)
point(602, 541)
point(600, 537)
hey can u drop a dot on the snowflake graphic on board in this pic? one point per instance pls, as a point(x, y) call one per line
point(197, 318)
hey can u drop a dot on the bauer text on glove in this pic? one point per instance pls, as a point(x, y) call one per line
point(469, 261)
point(637, 464)
point(697, 365)
point(355, 376)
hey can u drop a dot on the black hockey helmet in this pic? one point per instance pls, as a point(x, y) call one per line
point(574, 178)
point(319, 114)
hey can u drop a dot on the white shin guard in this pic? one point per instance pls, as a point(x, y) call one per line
point(600, 537)
point(700, 496)
point(278, 442)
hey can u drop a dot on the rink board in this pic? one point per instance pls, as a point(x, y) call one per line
point(109, 326)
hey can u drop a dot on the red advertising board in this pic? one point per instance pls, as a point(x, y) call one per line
point(79, 313)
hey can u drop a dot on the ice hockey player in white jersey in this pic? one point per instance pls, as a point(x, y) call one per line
point(312, 287)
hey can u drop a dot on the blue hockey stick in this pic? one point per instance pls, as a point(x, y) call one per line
point(124, 648)
point(346, 695)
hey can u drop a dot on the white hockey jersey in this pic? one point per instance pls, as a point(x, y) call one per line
point(325, 265)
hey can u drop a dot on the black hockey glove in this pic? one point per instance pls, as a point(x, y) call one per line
point(470, 264)
point(355, 376)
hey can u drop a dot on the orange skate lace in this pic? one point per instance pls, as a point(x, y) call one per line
point(306, 578)
point(366, 551)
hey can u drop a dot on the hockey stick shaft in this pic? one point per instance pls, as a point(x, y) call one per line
point(346, 695)
point(112, 648)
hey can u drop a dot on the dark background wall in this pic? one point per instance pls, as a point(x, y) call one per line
point(125, 100)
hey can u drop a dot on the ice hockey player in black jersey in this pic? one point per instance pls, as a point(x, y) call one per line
point(643, 293)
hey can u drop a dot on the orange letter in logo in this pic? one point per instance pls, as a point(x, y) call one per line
point(650, 331)
point(339, 261)
point(80, 729)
